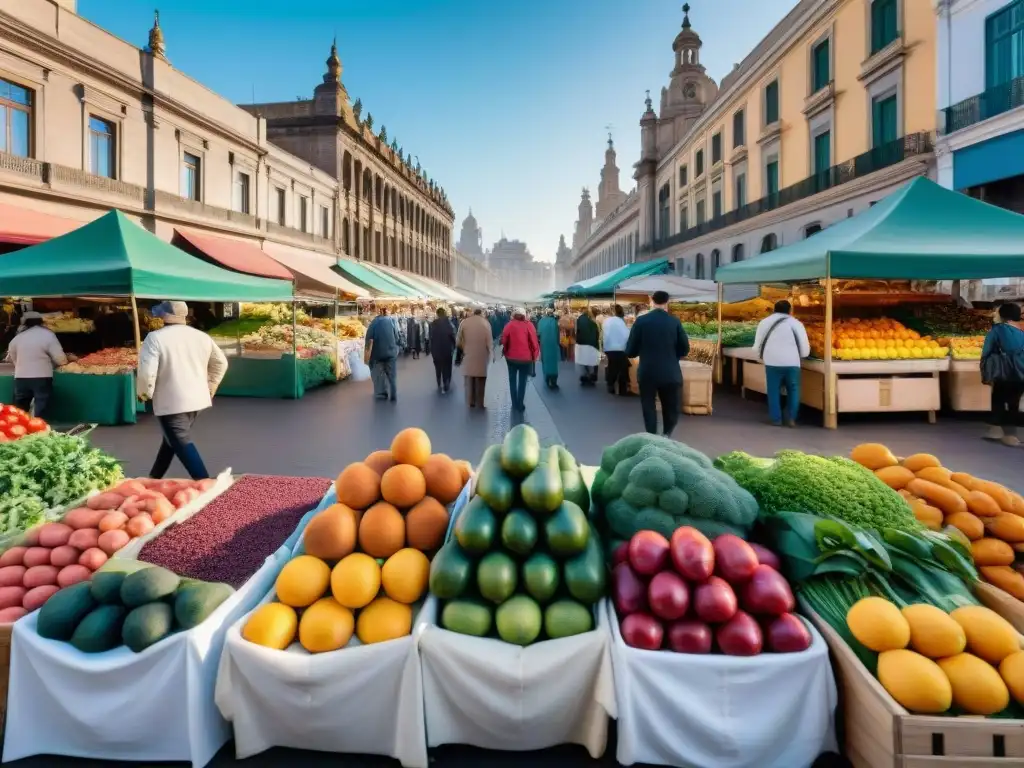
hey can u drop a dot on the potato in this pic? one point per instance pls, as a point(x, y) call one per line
point(108, 500)
point(204, 485)
point(37, 556)
point(132, 507)
point(93, 558)
point(161, 507)
point(113, 521)
point(11, 596)
point(35, 598)
point(72, 575)
point(130, 488)
point(161, 513)
point(13, 556)
point(64, 556)
point(12, 575)
point(54, 535)
point(39, 576)
point(84, 538)
point(83, 517)
point(139, 526)
point(111, 541)
point(12, 614)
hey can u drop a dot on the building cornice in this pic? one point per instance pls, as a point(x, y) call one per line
point(1008, 122)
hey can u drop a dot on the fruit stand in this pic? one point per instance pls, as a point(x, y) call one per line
point(920, 232)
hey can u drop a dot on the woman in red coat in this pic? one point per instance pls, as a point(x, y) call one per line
point(521, 349)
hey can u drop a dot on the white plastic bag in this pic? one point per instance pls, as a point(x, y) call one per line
point(360, 370)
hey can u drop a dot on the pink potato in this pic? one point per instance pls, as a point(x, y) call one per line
point(39, 576)
point(13, 556)
point(132, 507)
point(139, 526)
point(204, 485)
point(83, 517)
point(73, 574)
point(64, 556)
point(12, 614)
point(35, 598)
point(130, 488)
point(12, 575)
point(93, 558)
point(108, 500)
point(113, 521)
point(84, 538)
point(11, 596)
point(31, 537)
point(150, 493)
point(54, 535)
point(161, 513)
point(111, 541)
point(36, 556)
point(185, 496)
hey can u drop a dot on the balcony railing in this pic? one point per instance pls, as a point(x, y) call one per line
point(995, 101)
point(860, 166)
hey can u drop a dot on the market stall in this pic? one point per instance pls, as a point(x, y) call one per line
point(114, 257)
point(920, 232)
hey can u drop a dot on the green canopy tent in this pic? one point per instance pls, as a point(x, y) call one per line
point(376, 281)
point(605, 285)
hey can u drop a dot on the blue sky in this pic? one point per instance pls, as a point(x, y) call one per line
point(504, 103)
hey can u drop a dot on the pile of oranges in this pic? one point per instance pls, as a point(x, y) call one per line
point(875, 339)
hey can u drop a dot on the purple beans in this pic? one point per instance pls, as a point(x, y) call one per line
point(229, 538)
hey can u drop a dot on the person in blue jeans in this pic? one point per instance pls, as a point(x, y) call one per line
point(781, 343)
point(521, 349)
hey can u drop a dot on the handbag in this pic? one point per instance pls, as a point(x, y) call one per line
point(764, 341)
point(1000, 365)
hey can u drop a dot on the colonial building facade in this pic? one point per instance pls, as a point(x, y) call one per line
point(819, 121)
point(90, 122)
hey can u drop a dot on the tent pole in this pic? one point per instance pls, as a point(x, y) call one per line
point(718, 346)
point(135, 325)
point(831, 418)
point(337, 357)
point(295, 349)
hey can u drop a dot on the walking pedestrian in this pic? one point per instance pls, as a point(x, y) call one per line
point(781, 342)
point(566, 327)
point(1002, 366)
point(548, 335)
point(660, 342)
point(588, 341)
point(414, 337)
point(35, 350)
point(476, 343)
point(616, 334)
point(521, 349)
point(180, 369)
point(382, 345)
point(442, 345)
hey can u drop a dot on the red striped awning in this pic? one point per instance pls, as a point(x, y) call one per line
point(236, 255)
point(22, 226)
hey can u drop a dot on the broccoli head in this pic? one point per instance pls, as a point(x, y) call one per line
point(649, 482)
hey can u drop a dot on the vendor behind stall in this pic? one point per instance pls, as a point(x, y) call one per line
point(34, 351)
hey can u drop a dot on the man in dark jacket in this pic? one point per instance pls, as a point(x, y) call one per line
point(588, 348)
point(660, 342)
point(442, 349)
point(382, 355)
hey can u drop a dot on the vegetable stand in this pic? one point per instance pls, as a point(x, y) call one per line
point(81, 398)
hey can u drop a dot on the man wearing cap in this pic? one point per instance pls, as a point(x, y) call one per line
point(34, 351)
point(180, 368)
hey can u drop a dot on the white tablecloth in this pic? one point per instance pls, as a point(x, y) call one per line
point(710, 711)
point(486, 693)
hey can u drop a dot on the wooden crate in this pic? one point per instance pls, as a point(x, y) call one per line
point(888, 394)
point(697, 386)
point(879, 733)
point(963, 387)
point(1006, 605)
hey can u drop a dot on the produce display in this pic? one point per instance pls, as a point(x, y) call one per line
point(46, 471)
point(364, 562)
point(230, 538)
point(523, 562)
point(57, 555)
point(734, 334)
point(965, 347)
point(67, 322)
point(16, 424)
point(308, 341)
point(691, 595)
point(648, 482)
point(947, 320)
point(879, 338)
point(114, 360)
point(128, 603)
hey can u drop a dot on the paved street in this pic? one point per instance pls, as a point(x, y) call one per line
point(333, 426)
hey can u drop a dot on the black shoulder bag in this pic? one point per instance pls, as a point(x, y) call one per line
point(764, 341)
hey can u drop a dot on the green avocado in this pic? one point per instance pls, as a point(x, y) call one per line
point(519, 532)
point(100, 630)
point(475, 527)
point(467, 617)
point(540, 577)
point(585, 574)
point(520, 451)
point(566, 461)
point(567, 530)
point(450, 571)
point(495, 487)
point(567, 617)
point(496, 577)
point(542, 488)
point(519, 620)
point(574, 489)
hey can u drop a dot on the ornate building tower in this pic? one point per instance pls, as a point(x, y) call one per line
point(689, 91)
point(563, 264)
point(609, 195)
point(471, 239)
point(585, 222)
point(646, 171)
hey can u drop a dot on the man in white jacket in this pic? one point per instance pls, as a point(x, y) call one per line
point(781, 343)
point(180, 368)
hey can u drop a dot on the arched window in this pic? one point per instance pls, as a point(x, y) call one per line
point(716, 262)
point(737, 252)
point(769, 243)
point(663, 213)
point(811, 229)
point(699, 266)
point(344, 237)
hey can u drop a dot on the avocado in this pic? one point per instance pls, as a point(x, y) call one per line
point(194, 603)
point(540, 577)
point(585, 574)
point(495, 487)
point(147, 625)
point(567, 617)
point(519, 620)
point(100, 630)
point(519, 532)
point(496, 577)
point(475, 527)
point(106, 586)
point(61, 614)
point(467, 617)
point(450, 571)
point(574, 489)
point(520, 451)
point(567, 530)
point(542, 488)
point(566, 461)
point(148, 585)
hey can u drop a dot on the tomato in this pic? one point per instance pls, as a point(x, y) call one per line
point(15, 431)
point(6, 409)
point(4, 438)
point(36, 425)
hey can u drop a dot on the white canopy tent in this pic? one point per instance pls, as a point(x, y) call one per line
point(685, 289)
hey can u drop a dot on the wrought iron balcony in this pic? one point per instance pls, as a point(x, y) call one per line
point(858, 167)
point(995, 101)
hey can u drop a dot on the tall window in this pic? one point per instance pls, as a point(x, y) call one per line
point(771, 102)
point(1004, 45)
point(769, 243)
point(821, 66)
point(663, 213)
point(741, 190)
point(325, 221)
point(683, 180)
point(698, 271)
point(190, 176)
point(700, 212)
point(737, 252)
point(739, 133)
point(884, 126)
point(716, 262)
point(883, 24)
point(15, 119)
point(102, 158)
point(771, 178)
point(716, 149)
point(699, 162)
point(241, 195)
point(822, 152)
point(281, 210)
point(716, 204)
point(303, 213)
point(684, 219)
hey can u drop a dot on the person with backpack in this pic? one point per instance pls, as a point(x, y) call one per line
point(781, 343)
point(1002, 367)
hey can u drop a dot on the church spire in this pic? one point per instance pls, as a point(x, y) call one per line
point(333, 74)
point(156, 38)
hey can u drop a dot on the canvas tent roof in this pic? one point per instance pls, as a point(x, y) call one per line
point(112, 256)
point(922, 231)
point(313, 275)
point(22, 226)
point(605, 285)
point(236, 255)
point(376, 281)
point(686, 289)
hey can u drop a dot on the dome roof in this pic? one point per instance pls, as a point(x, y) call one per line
point(470, 220)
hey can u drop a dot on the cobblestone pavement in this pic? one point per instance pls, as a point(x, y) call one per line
point(336, 425)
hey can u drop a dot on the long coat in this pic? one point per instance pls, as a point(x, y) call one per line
point(442, 338)
point(550, 352)
point(475, 341)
